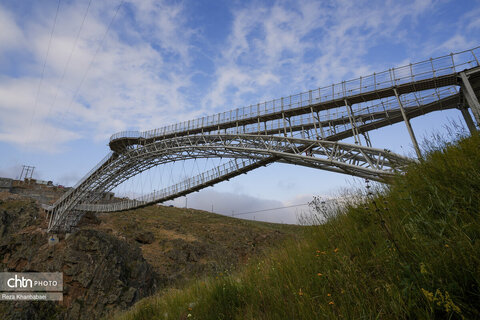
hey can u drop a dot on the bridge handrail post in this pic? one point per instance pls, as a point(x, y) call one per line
point(453, 62)
point(258, 117)
point(475, 57)
point(433, 68)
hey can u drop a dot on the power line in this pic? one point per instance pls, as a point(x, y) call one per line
point(263, 210)
point(100, 45)
point(44, 65)
point(68, 62)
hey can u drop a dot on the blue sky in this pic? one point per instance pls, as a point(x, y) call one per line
point(163, 62)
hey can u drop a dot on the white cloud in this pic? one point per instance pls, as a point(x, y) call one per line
point(279, 50)
point(165, 23)
point(11, 36)
point(466, 27)
point(245, 206)
point(128, 84)
point(141, 77)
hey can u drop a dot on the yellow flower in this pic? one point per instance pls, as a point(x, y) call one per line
point(428, 295)
point(423, 269)
point(331, 303)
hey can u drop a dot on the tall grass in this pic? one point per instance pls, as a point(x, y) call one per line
point(409, 250)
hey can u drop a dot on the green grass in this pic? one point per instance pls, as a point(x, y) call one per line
point(408, 251)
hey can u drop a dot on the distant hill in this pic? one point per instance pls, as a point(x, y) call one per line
point(183, 244)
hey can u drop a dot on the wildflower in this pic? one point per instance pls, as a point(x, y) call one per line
point(423, 269)
point(317, 255)
point(427, 294)
point(447, 246)
point(331, 303)
point(318, 251)
point(446, 302)
point(329, 294)
point(336, 250)
point(189, 315)
point(319, 274)
point(189, 309)
point(300, 293)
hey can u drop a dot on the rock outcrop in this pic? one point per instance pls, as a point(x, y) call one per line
point(101, 272)
point(115, 259)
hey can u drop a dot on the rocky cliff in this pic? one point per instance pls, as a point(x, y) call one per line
point(118, 258)
point(101, 272)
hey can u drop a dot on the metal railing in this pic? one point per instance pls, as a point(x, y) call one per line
point(156, 196)
point(432, 68)
point(269, 116)
point(85, 177)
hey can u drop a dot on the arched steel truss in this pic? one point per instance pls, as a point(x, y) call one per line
point(256, 150)
point(302, 129)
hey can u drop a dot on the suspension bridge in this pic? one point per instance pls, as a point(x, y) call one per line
point(304, 129)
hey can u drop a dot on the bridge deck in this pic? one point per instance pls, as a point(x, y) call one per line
point(431, 74)
point(264, 133)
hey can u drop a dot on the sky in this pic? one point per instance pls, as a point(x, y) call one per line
point(72, 73)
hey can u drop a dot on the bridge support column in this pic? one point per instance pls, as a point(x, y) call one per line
point(409, 126)
point(470, 96)
point(351, 117)
point(468, 119)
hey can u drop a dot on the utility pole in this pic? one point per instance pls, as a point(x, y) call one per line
point(27, 172)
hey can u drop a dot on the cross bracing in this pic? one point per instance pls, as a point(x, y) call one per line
point(254, 150)
point(303, 129)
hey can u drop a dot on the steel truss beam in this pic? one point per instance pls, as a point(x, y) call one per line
point(258, 135)
point(366, 162)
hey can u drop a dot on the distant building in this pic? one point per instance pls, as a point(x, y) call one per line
point(45, 183)
point(6, 184)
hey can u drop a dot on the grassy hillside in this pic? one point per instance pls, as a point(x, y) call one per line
point(411, 250)
point(183, 244)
